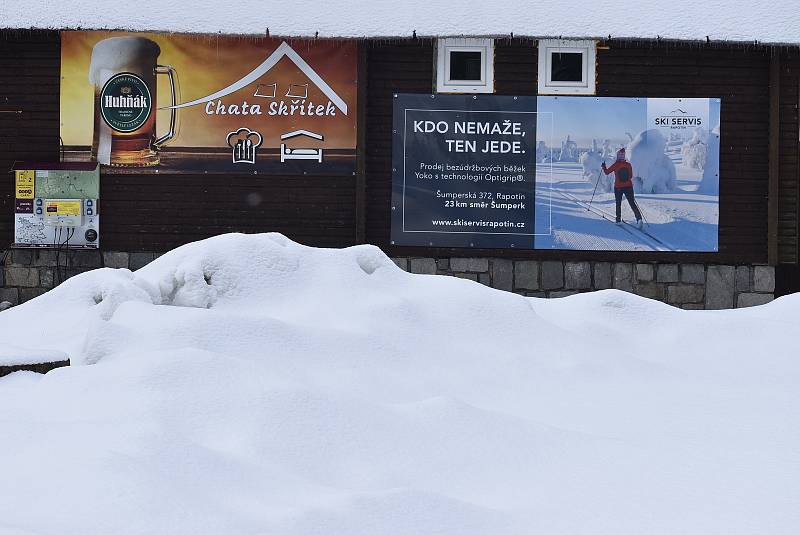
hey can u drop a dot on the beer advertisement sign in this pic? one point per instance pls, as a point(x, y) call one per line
point(209, 103)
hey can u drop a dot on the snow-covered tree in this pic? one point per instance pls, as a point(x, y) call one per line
point(695, 150)
point(651, 165)
point(710, 183)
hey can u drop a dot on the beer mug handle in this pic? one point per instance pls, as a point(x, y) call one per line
point(170, 72)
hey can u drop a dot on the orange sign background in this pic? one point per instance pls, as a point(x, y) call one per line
point(206, 64)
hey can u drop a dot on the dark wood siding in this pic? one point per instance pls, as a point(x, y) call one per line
point(789, 161)
point(408, 66)
point(30, 68)
point(392, 67)
point(738, 75)
point(150, 212)
point(157, 212)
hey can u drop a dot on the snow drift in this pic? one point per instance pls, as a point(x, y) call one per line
point(248, 384)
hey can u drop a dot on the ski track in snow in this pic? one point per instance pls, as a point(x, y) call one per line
point(679, 221)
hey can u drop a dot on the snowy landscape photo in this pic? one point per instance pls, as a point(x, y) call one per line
point(670, 148)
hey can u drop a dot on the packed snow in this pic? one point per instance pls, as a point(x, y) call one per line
point(246, 384)
point(728, 20)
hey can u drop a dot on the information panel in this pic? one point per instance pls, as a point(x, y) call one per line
point(579, 173)
point(464, 171)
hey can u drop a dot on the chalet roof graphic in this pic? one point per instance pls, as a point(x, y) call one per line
point(308, 133)
point(283, 50)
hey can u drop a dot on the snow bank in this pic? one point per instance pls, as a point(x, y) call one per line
point(248, 384)
point(730, 20)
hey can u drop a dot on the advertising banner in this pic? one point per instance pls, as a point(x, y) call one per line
point(463, 171)
point(671, 146)
point(183, 102)
point(605, 173)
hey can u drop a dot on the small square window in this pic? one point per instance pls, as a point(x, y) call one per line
point(465, 66)
point(567, 67)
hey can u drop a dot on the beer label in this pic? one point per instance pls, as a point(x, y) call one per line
point(125, 102)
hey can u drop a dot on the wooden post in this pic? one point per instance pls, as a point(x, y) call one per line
point(361, 145)
point(774, 155)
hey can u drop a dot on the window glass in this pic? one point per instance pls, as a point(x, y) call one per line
point(566, 66)
point(465, 65)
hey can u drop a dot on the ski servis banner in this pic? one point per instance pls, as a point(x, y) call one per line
point(209, 103)
point(605, 173)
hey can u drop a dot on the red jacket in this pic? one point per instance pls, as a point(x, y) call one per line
point(615, 168)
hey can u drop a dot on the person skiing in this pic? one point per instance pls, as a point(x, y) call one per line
point(623, 185)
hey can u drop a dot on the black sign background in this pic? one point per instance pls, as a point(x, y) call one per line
point(463, 171)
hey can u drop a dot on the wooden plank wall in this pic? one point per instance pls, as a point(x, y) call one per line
point(408, 67)
point(29, 100)
point(789, 161)
point(740, 76)
point(392, 67)
point(737, 74)
point(157, 212)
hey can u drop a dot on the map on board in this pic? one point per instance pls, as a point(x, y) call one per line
point(62, 184)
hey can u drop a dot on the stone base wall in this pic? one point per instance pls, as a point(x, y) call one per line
point(28, 273)
point(689, 286)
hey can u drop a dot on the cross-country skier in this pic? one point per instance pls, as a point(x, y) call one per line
point(623, 185)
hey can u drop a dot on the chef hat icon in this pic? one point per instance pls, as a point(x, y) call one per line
point(242, 135)
point(244, 143)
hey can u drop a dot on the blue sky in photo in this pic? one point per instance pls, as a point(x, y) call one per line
point(583, 119)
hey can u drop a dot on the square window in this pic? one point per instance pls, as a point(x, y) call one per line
point(465, 66)
point(566, 66)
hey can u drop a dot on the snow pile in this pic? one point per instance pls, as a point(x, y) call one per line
point(248, 384)
point(731, 20)
point(654, 170)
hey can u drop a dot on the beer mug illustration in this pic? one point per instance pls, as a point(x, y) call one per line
point(123, 72)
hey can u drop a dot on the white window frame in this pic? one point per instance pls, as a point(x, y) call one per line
point(443, 82)
point(547, 86)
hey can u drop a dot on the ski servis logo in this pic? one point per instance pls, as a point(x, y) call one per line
point(679, 118)
point(125, 102)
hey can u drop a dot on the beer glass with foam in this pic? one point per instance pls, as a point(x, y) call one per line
point(123, 72)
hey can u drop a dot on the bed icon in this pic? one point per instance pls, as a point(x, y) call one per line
point(300, 154)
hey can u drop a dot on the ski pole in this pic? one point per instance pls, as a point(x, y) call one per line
point(640, 211)
point(595, 190)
